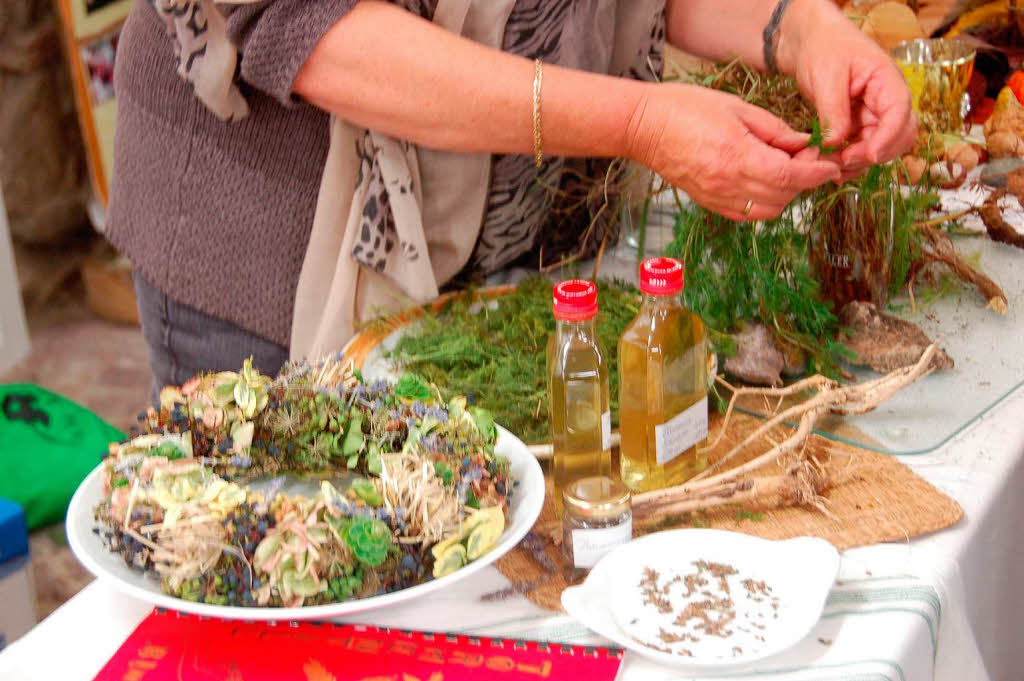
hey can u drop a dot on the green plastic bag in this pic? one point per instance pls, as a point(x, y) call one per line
point(48, 444)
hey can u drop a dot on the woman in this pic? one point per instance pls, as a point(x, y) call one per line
point(217, 214)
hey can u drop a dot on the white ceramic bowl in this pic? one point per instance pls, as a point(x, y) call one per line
point(525, 507)
point(800, 572)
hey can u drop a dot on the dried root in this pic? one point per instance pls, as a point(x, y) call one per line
point(804, 479)
point(187, 549)
point(939, 248)
point(802, 484)
point(998, 228)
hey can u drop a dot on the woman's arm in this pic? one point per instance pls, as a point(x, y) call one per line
point(860, 95)
point(720, 30)
point(384, 68)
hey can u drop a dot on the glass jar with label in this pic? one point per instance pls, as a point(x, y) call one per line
point(663, 384)
point(580, 417)
point(597, 518)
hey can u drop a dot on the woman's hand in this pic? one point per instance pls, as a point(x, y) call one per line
point(724, 152)
point(859, 93)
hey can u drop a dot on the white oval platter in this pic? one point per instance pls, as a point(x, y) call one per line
point(525, 507)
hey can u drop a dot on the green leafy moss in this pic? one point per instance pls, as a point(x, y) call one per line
point(411, 388)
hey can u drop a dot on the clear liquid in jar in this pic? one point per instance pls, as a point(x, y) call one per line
point(663, 373)
point(579, 406)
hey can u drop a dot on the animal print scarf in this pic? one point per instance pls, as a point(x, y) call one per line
point(206, 57)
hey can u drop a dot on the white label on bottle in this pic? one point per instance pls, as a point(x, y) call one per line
point(588, 546)
point(681, 432)
point(606, 431)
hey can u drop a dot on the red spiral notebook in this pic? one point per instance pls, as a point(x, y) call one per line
point(170, 646)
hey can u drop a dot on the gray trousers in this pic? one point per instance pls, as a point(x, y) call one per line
point(184, 341)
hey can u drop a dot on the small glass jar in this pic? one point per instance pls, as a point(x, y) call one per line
point(597, 517)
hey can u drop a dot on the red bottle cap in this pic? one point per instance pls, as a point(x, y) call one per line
point(575, 300)
point(661, 276)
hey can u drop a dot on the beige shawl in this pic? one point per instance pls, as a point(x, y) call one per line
point(437, 198)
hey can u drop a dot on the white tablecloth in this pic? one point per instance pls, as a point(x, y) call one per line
point(907, 612)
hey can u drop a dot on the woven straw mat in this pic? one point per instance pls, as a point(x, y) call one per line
point(878, 500)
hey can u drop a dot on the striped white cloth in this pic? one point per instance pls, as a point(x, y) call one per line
point(895, 614)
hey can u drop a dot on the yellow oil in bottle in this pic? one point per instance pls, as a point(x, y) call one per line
point(662, 386)
point(578, 390)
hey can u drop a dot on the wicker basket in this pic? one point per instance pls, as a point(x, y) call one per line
point(109, 291)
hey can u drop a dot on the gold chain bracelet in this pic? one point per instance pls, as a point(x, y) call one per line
point(538, 77)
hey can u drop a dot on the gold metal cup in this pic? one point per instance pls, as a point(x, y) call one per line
point(937, 72)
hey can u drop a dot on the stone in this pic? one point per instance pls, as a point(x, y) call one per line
point(997, 170)
point(757, 360)
point(884, 342)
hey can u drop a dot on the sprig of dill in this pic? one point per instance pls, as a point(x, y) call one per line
point(497, 352)
point(738, 272)
point(817, 140)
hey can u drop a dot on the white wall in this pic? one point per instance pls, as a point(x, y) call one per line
point(13, 333)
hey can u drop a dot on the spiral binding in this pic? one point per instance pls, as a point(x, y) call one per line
point(449, 637)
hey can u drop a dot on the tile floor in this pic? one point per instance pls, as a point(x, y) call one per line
point(99, 365)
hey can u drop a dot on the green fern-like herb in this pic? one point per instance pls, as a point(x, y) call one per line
point(497, 352)
point(738, 272)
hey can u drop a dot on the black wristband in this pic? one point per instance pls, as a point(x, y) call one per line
point(769, 36)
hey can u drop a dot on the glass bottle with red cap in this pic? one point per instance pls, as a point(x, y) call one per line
point(578, 408)
point(663, 385)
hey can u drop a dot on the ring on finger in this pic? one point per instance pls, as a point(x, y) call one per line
point(748, 207)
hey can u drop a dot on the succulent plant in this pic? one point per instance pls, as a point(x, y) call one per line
point(241, 437)
point(484, 536)
point(177, 484)
point(289, 556)
point(411, 388)
point(370, 540)
point(449, 560)
point(169, 445)
point(367, 491)
point(484, 422)
point(479, 534)
point(354, 440)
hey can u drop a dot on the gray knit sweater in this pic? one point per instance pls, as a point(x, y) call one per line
point(218, 215)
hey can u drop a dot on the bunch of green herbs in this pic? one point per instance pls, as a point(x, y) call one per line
point(738, 272)
point(495, 349)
